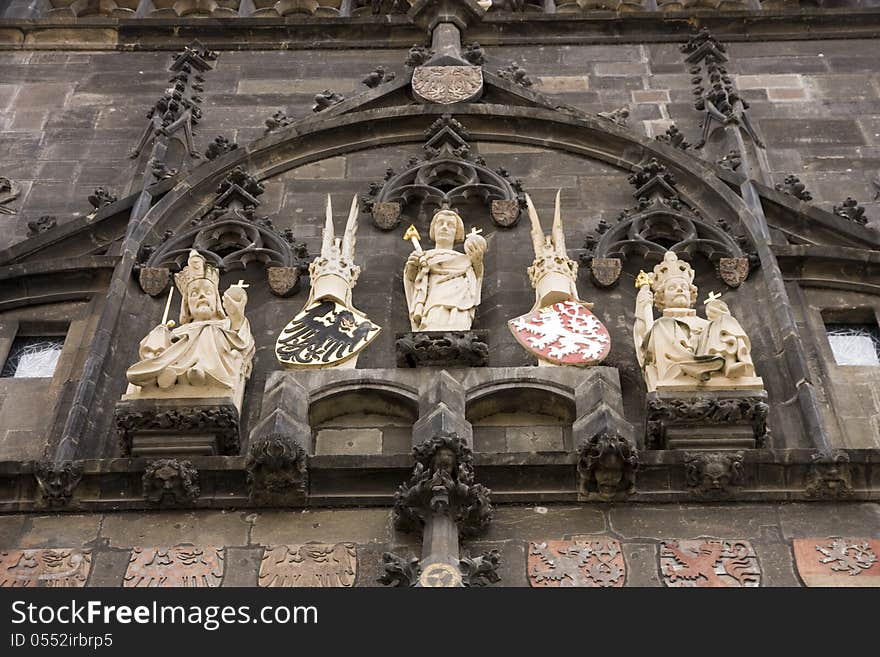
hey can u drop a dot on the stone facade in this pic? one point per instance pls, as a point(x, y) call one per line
point(274, 125)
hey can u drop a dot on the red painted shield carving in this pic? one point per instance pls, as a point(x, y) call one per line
point(566, 333)
point(595, 561)
point(838, 561)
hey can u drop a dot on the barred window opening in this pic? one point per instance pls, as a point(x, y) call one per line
point(32, 357)
point(854, 344)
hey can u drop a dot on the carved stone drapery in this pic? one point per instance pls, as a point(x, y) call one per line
point(230, 236)
point(447, 174)
point(662, 221)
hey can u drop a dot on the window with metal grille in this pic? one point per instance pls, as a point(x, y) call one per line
point(33, 356)
point(854, 344)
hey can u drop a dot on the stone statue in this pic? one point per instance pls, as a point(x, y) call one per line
point(209, 354)
point(681, 351)
point(443, 285)
point(553, 274)
point(329, 331)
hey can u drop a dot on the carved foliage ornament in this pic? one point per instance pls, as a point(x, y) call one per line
point(276, 465)
point(171, 481)
point(57, 480)
point(709, 563)
point(583, 562)
point(472, 571)
point(311, 565)
point(179, 566)
point(222, 421)
point(447, 174)
point(442, 349)
point(445, 85)
point(705, 411)
point(61, 567)
point(443, 481)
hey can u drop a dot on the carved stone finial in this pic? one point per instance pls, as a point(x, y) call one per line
point(170, 481)
point(443, 480)
point(57, 481)
point(850, 209)
point(644, 173)
point(41, 225)
point(607, 466)
point(713, 473)
point(829, 476)
point(276, 468)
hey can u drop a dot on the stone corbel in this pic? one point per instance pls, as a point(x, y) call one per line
point(442, 410)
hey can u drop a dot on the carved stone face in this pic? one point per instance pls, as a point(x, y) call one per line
point(677, 293)
point(716, 476)
point(445, 226)
point(202, 300)
point(444, 461)
point(608, 474)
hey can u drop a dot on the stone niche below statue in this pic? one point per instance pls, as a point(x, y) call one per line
point(443, 289)
point(186, 391)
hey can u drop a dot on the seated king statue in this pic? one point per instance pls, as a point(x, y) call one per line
point(680, 350)
point(209, 355)
point(443, 285)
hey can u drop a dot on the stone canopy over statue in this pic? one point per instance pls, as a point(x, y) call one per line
point(208, 354)
point(443, 285)
point(680, 350)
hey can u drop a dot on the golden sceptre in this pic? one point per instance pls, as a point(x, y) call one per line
point(412, 235)
point(644, 279)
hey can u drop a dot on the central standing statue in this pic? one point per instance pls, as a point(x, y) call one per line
point(443, 285)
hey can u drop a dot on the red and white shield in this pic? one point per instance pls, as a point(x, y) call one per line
point(566, 333)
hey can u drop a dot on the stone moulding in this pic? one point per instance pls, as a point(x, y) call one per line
point(443, 349)
point(767, 476)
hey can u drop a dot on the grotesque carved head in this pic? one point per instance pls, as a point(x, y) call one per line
point(714, 473)
point(607, 465)
point(170, 480)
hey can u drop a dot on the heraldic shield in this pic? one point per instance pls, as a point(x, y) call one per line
point(324, 333)
point(565, 333)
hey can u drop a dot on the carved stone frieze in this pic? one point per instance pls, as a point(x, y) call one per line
point(9, 191)
point(744, 416)
point(218, 423)
point(714, 473)
point(582, 562)
point(838, 561)
point(57, 480)
point(443, 349)
point(276, 469)
point(443, 481)
point(183, 565)
point(607, 466)
point(829, 476)
point(445, 85)
point(45, 223)
point(709, 563)
point(312, 565)
point(449, 173)
point(55, 567)
point(170, 481)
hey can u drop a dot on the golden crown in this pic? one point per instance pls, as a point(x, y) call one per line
point(671, 268)
point(197, 267)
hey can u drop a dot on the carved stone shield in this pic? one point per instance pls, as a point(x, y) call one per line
point(505, 212)
point(838, 561)
point(65, 567)
point(709, 563)
point(323, 334)
point(178, 566)
point(586, 561)
point(733, 271)
point(312, 565)
point(282, 280)
point(154, 280)
point(566, 333)
point(605, 271)
point(447, 84)
point(386, 215)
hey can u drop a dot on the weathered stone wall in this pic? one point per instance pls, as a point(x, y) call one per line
point(641, 530)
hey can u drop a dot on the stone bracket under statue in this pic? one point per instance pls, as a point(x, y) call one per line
point(185, 394)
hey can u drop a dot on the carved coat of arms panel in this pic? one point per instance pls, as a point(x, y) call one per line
point(709, 563)
point(595, 561)
point(838, 561)
point(61, 567)
point(447, 84)
point(178, 566)
point(312, 565)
